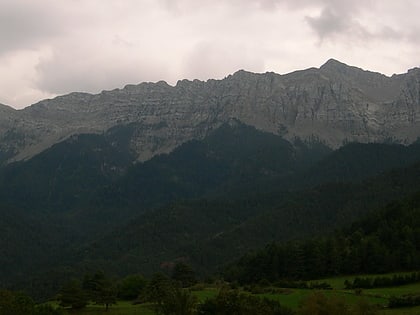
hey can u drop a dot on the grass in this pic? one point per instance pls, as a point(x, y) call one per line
point(395, 291)
point(294, 297)
point(287, 297)
point(376, 295)
point(204, 294)
point(402, 311)
point(127, 308)
point(290, 299)
point(338, 282)
point(121, 308)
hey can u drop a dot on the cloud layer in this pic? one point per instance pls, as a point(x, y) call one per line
point(53, 47)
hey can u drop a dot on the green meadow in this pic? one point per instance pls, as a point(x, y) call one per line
point(121, 308)
point(128, 308)
point(288, 297)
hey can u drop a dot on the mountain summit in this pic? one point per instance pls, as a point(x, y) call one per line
point(336, 104)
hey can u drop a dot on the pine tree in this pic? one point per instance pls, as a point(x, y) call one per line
point(72, 295)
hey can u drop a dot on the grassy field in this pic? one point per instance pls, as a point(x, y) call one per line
point(127, 308)
point(287, 297)
point(338, 282)
point(377, 295)
point(202, 295)
point(402, 311)
point(293, 298)
point(121, 308)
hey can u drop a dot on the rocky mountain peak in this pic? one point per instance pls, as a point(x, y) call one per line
point(335, 67)
point(414, 71)
point(336, 103)
point(333, 64)
point(242, 74)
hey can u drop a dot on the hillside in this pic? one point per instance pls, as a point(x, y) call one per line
point(181, 157)
point(208, 201)
point(385, 240)
point(209, 233)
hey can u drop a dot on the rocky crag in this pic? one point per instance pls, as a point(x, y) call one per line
point(334, 104)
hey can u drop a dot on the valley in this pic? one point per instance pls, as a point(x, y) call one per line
point(252, 180)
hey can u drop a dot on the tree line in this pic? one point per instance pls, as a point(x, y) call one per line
point(386, 241)
point(18, 303)
point(382, 281)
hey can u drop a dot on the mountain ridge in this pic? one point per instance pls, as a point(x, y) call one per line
point(335, 103)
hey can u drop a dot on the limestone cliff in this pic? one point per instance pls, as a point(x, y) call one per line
point(336, 103)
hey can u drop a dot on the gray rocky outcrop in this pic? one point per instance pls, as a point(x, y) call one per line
point(335, 104)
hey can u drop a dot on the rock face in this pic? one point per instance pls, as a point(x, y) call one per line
point(335, 104)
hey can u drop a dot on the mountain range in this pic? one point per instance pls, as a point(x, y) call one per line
point(130, 180)
point(334, 104)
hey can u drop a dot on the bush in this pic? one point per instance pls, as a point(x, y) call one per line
point(382, 281)
point(291, 284)
point(320, 286)
point(231, 302)
point(198, 287)
point(16, 303)
point(72, 295)
point(47, 309)
point(408, 300)
point(131, 286)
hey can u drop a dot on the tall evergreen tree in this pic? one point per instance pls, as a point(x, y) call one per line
point(72, 295)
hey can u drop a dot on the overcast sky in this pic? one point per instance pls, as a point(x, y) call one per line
point(53, 47)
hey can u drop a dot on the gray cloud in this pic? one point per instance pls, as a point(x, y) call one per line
point(50, 47)
point(77, 69)
point(329, 23)
point(24, 25)
point(389, 33)
point(364, 21)
point(339, 17)
point(215, 60)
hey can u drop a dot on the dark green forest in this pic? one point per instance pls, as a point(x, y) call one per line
point(385, 241)
point(292, 210)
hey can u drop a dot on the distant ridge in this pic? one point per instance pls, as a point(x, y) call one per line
point(334, 104)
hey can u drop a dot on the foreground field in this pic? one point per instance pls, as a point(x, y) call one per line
point(121, 308)
point(128, 308)
point(378, 296)
point(288, 297)
point(294, 297)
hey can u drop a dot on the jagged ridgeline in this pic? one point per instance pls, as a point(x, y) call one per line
point(130, 179)
point(335, 103)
